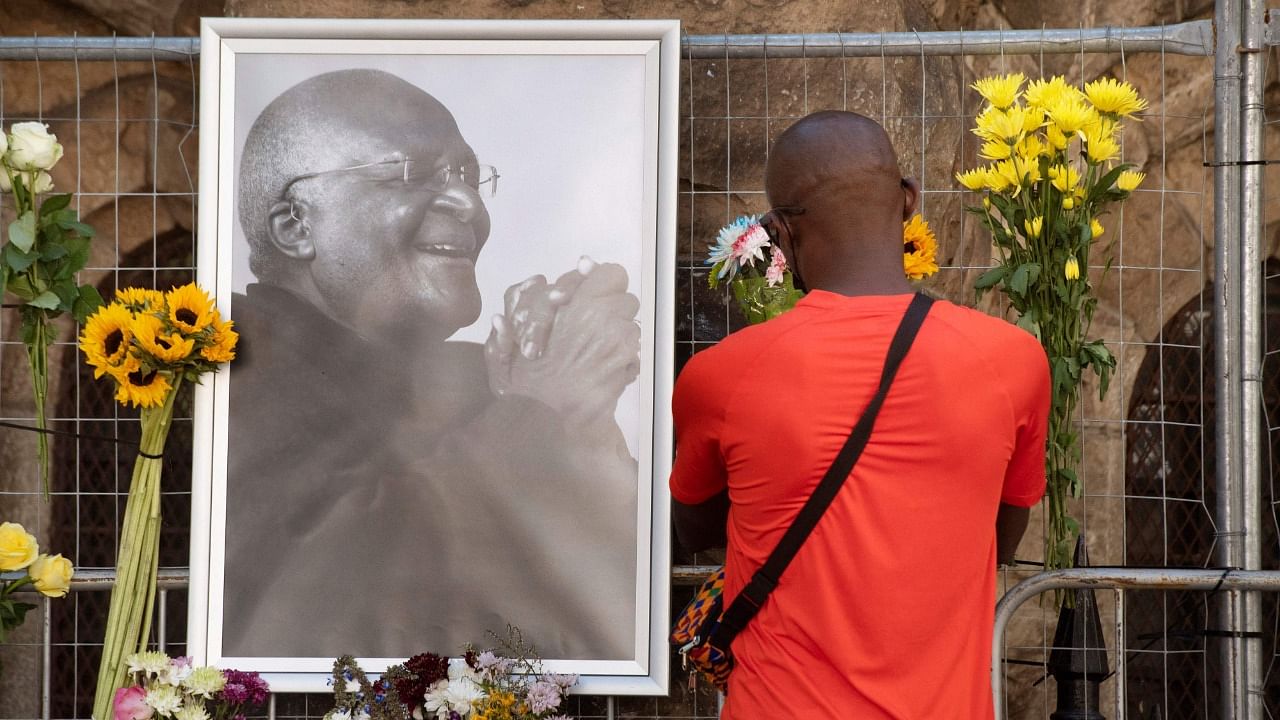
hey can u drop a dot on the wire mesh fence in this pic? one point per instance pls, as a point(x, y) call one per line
point(130, 131)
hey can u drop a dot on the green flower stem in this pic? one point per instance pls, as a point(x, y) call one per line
point(133, 597)
point(38, 362)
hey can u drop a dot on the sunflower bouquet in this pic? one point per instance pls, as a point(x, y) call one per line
point(148, 343)
point(1054, 171)
point(765, 290)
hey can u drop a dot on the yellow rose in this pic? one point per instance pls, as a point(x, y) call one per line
point(18, 548)
point(52, 575)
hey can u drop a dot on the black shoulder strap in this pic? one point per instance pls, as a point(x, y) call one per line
point(748, 602)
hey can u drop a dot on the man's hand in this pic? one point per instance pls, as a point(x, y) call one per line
point(573, 345)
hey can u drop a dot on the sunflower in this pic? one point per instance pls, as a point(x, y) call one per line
point(919, 249)
point(106, 337)
point(222, 344)
point(1113, 97)
point(1000, 90)
point(143, 388)
point(190, 309)
point(140, 299)
point(167, 347)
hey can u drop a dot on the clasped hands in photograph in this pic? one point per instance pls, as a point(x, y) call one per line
point(573, 345)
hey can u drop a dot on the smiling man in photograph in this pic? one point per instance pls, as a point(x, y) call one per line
point(389, 491)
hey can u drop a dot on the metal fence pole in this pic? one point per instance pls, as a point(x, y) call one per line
point(1253, 437)
point(1227, 226)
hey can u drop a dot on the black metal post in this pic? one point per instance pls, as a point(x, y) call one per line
point(1078, 661)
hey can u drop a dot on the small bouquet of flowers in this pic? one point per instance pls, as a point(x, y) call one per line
point(1054, 171)
point(148, 342)
point(765, 290)
point(478, 686)
point(50, 575)
point(172, 688)
point(47, 247)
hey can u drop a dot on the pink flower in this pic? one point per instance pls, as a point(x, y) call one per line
point(777, 267)
point(130, 704)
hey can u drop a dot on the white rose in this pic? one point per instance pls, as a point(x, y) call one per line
point(43, 183)
point(5, 185)
point(4, 144)
point(33, 147)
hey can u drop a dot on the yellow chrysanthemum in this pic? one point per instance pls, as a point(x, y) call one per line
point(167, 347)
point(1031, 147)
point(190, 308)
point(1057, 139)
point(1047, 93)
point(1006, 126)
point(1130, 180)
point(143, 388)
point(1033, 226)
point(140, 299)
point(919, 249)
point(1032, 119)
point(1000, 90)
point(995, 150)
point(106, 337)
point(1100, 144)
point(1028, 168)
point(222, 344)
point(1072, 269)
point(1114, 97)
point(1004, 175)
point(1072, 116)
point(974, 179)
point(1064, 177)
point(1068, 202)
point(1096, 228)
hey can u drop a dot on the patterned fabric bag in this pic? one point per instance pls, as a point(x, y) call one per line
point(694, 626)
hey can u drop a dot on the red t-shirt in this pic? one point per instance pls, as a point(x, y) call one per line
point(886, 612)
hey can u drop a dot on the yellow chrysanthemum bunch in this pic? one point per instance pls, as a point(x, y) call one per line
point(146, 339)
point(1052, 152)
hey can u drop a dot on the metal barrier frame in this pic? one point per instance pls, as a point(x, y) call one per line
point(1243, 32)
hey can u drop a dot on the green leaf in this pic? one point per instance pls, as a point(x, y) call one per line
point(21, 286)
point(991, 277)
point(1030, 323)
point(45, 300)
point(88, 303)
point(53, 251)
point(67, 293)
point(1106, 182)
point(85, 230)
point(18, 260)
point(22, 232)
point(1024, 277)
point(54, 203)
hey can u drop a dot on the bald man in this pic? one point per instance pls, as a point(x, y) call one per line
point(886, 611)
point(389, 492)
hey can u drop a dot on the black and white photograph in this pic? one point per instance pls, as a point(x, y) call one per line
point(442, 260)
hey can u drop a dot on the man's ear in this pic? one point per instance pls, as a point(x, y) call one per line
point(289, 231)
point(910, 197)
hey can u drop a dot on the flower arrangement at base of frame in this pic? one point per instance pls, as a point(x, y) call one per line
point(165, 688)
point(1054, 172)
point(477, 686)
point(764, 289)
point(148, 343)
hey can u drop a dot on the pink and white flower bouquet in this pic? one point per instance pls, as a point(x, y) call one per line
point(168, 688)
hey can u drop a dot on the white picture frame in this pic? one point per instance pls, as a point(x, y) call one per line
point(580, 118)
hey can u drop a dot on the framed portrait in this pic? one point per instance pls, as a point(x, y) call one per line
point(448, 249)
